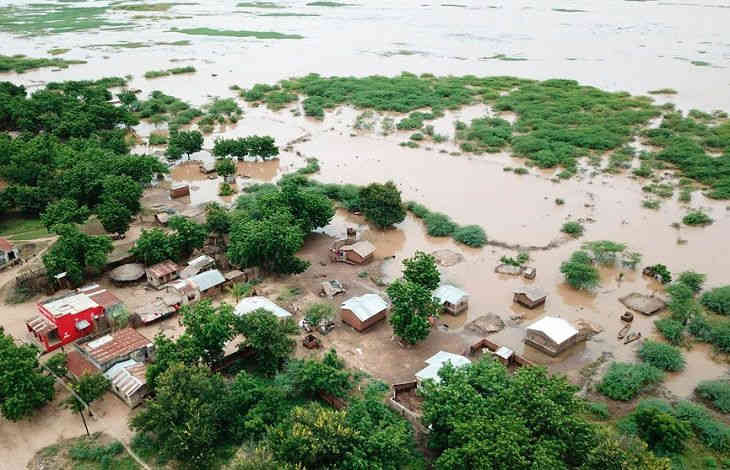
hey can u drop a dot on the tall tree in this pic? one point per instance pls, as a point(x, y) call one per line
point(76, 253)
point(184, 142)
point(123, 190)
point(89, 388)
point(23, 386)
point(114, 216)
point(187, 235)
point(185, 420)
point(152, 247)
point(217, 218)
point(225, 167)
point(269, 243)
point(209, 327)
point(421, 269)
point(64, 211)
point(412, 307)
point(269, 338)
point(381, 204)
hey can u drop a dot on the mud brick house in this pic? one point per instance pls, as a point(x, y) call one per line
point(552, 335)
point(452, 299)
point(162, 273)
point(63, 320)
point(530, 297)
point(363, 312)
point(8, 253)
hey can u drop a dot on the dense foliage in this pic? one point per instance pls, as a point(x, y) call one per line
point(268, 337)
point(184, 142)
point(662, 356)
point(209, 327)
point(717, 300)
point(412, 307)
point(23, 386)
point(381, 204)
point(252, 146)
point(717, 392)
point(421, 269)
point(623, 381)
point(579, 271)
point(76, 254)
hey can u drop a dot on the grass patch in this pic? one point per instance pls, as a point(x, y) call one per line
point(697, 218)
point(237, 34)
point(173, 71)
point(717, 300)
point(671, 330)
point(328, 4)
point(149, 6)
point(623, 381)
point(20, 228)
point(259, 5)
point(486, 134)
point(470, 235)
point(663, 91)
point(54, 19)
point(58, 51)
point(21, 63)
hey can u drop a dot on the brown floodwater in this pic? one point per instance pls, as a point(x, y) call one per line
point(632, 46)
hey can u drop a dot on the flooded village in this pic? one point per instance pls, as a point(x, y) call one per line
point(577, 257)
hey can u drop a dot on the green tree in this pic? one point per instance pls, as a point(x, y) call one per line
point(217, 218)
point(23, 386)
point(682, 304)
point(261, 459)
point(185, 420)
point(239, 290)
point(421, 269)
point(57, 364)
point(269, 243)
point(76, 253)
point(210, 328)
point(310, 209)
point(152, 247)
point(623, 453)
point(89, 388)
point(184, 142)
point(579, 271)
point(184, 350)
point(381, 204)
point(123, 190)
point(187, 235)
point(64, 211)
point(692, 280)
point(663, 432)
point(262, 146)
point(413, 305)
point(482, 417)
point(114, 216)
point(268, 337)
point(225, 167)
point(311, 377)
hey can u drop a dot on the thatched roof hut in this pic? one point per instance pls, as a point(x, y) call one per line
point(127, 272)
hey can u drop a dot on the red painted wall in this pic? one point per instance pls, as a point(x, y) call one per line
point(66, 324)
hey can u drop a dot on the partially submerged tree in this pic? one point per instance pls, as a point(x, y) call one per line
point(23, 386)
point(381, 204)
point(183, 142)
point(579, 271)
point(243, 147)
point(421, 269)
point(225, 167)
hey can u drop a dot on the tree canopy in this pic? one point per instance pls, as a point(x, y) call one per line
point(184, 142)
point(209, 327)
point(76, 253)
point(412, 307)
point(152, 247)
point(242, 147)
point(23, 386)
point(421, 269)
point(269, 338)
point(579, 271)
point(381, 204)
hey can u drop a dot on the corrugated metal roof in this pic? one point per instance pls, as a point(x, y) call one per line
point(127, 376)
point(363, 248)
point(365, 306)
point(532, 293)
point(115, 345)
point(450, 294)
point(557, 329)
point(69, 305)
point(100, 295)
point(437, 361)
point(162, 269)
point(208, 279)
point(249, 304)
point(40, 325)
point(78, 365)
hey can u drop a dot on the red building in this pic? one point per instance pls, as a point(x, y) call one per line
point(63, 320)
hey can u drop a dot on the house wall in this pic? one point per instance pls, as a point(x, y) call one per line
point(355, 258)
point(541, 342)
point(524, 300)
point(456, 308)
point(132, 400)
point(351, 319)
point(66, 325)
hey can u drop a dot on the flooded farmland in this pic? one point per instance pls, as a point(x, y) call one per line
point(633, 46)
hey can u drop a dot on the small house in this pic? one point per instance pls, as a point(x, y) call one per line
point(185, 290)
point(161, 307)
point(179, 190)
point(452, 299)
point(436, 362)
point(77, 365)
point(234, 277)
point(197, 265)
point(208, 283)
point(250, 304)
point(8, 252)
point(64, 319)
point(351, 252)
point(107, 350)
point(551, 335)
point(162, 273)
point(530, 297)
point(207, 166)
point(128, 381)
point(363, 312)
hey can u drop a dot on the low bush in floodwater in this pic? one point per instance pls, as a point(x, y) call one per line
point(20, 63)
point(697, 218)
point(717, 392)
point(470, 235)
point(623, 381)
point(487, 134)
point(439, 225)
point(579, 271)
point(717, 300)
point(671, 330)
point(237, 34)
point(662, 356)
point(713, 331)
point(574, 229)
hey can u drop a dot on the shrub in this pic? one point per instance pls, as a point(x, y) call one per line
point(579, 271)
point(419, 210)
point(709, 431)
point(717, 300)
point(692, 280)
point(697, 218)
point(662, 431)
point(717, 392)
point(623, 381)
point(157, 139)
point(417, 136)
point(471, 235)
point(574, 229)
point(661, 272)
point(559, 201)
point(597, 410)
point(662, 356)
point(671, 330)
point(521, 171)
point(439, 225)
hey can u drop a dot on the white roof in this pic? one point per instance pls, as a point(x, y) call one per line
point(71, 304)
point(363, 248)
point(249, 304)
point(437, 361)
point(365, 306)
point(122, 379)
point(504, 352)
point(208, 279)
point(450, 294)
point(555, 328)
point(202, 259)
point(201, 155)
point(533, 293)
